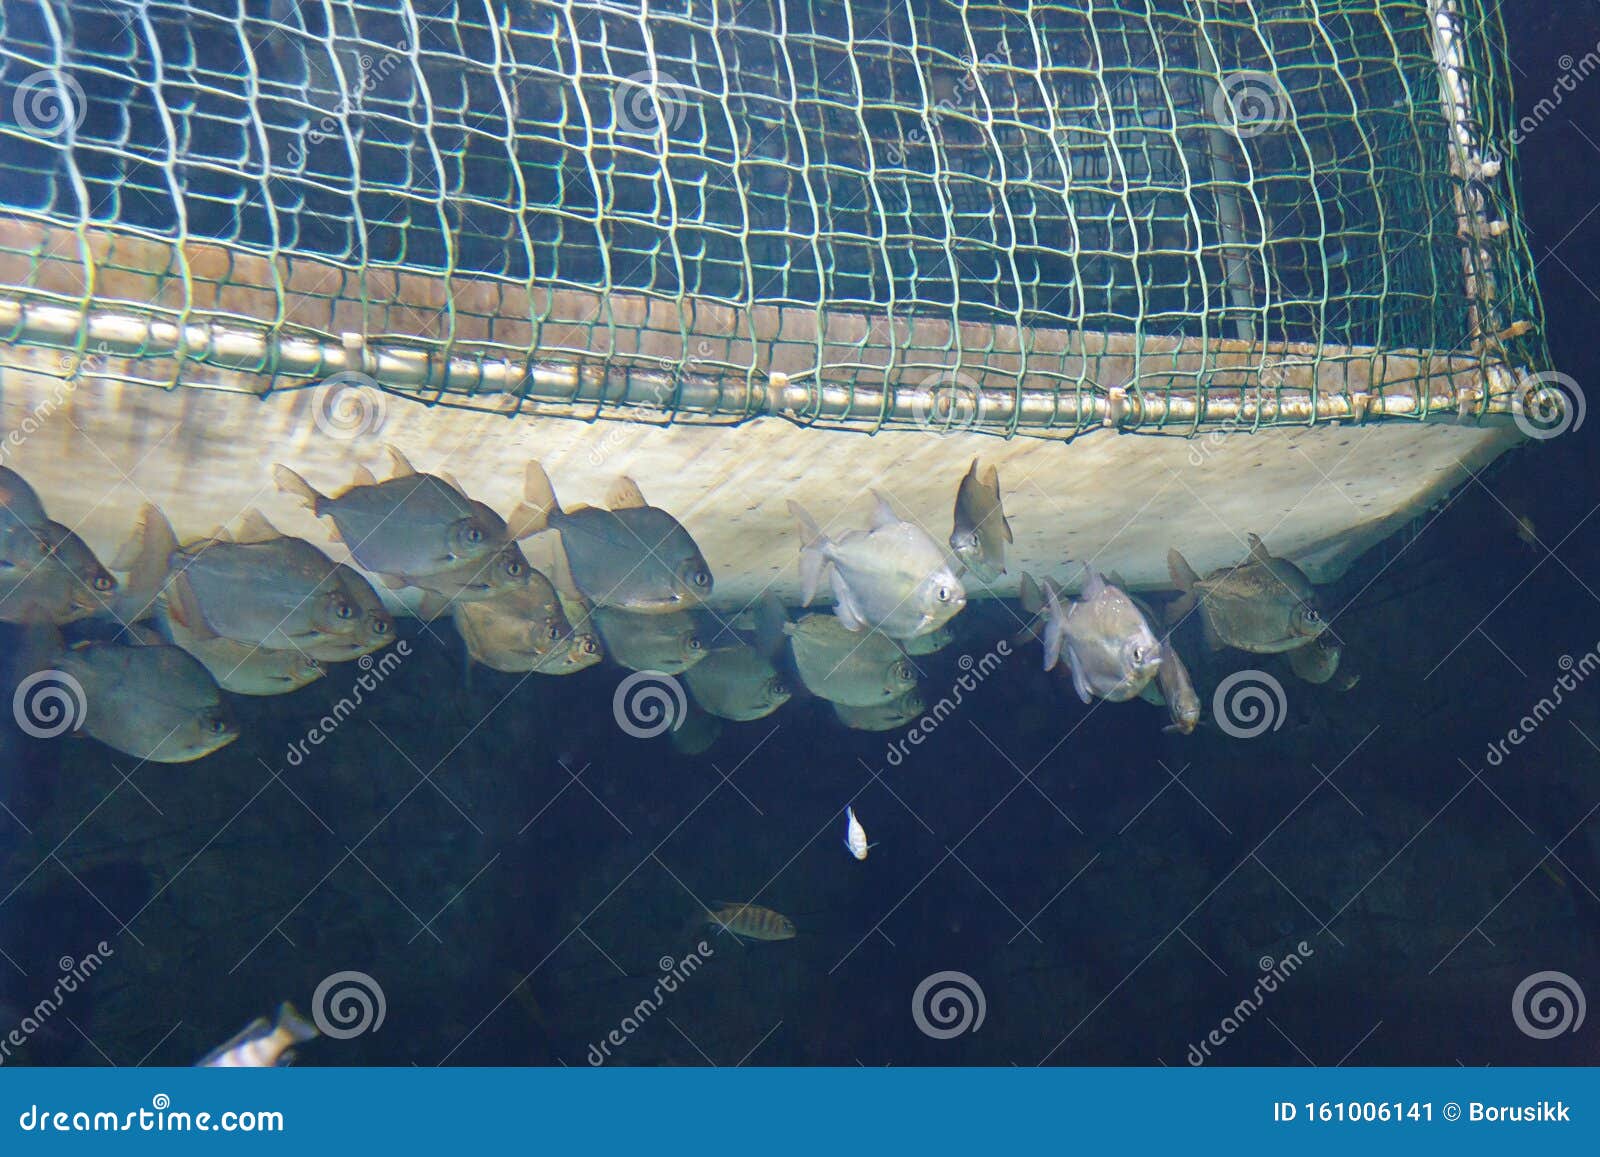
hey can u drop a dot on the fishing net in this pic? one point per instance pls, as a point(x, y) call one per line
point(1020, 218)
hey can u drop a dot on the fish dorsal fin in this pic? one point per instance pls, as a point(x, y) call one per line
point(364, 477)
point(1115, 579)
point(220, 534)
point(1258, 549)
point(1094, 583)
point(399, 465)
point(625, 495)
point(254, 527)
point(882, 513)
point(1029, 594)
point(450, 481)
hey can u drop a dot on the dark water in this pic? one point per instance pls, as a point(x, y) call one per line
point(510, 868)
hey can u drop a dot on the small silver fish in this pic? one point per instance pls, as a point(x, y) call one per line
point(246, 669)
point(856, 668)
point(1177, 690)
point(472, 579)
point(407, 526)
point(50, 575)
point(667, 643)
point(1109, 646)
point(277, 592)
point(891, 577)
point(933, 641)
point(737, 682)
point(981, 530)
point(1264, 605)
point(525, 629)
point(262, 1044)
point(152, 702)
point(855, 836)
point(883, 716)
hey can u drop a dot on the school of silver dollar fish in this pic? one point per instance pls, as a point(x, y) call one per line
point(253, 611)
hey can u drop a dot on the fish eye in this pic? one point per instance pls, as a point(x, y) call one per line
point(701, 578)
point(514, 568)
point(104, 583)
point(944, 594)
point(219, 725)
point(344, 610)
point(777, 688)
point(380, 626)
point(902, 671)
point(590, 647)
point(695, 644)
point(553, 633)
point(474, 534)
point(1312, 616)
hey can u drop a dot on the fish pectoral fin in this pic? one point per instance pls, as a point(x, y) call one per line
point(1079, 683)
point(625, 495)
point(433, 605)
point(183, 608)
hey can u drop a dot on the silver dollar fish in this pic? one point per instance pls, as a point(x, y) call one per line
point(737, 682)
point(883, 716)
point(1108, 644)
point(1264, 604)
point(981, 530)
point(667, 643)
point(891, 577)
point(409, 526)
point(856, 668)
point(634, 556)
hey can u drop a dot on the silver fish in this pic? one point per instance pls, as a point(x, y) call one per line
point(981, 530)
point(634, 557)
point(152, 702)
point(666, 643)
point(278, 592)
point(1174, 690)
point(246, 669)
point(933, 641)
point(405, 527)
point(473, 579)
point(882, 716)
point(1264, 604)
point(50, 575)
point(892, 577)
point(856, 668)
point(737, 682)
point(1109, 646)
point(525, 629)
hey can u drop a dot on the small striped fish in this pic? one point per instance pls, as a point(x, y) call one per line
point(751, 921)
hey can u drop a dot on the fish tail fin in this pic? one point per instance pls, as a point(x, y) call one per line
point(298, 1027)
point(538, 504)
point(1031, 601)
point(290, 483)
point(771, 621)
point(145, 558)
point(1052, 629)
point(1184, 578)
point(813, 562)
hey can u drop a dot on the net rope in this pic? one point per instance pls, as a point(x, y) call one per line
point(1022, 217)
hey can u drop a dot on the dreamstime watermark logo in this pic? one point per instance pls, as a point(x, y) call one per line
point(49, 103)
point(947, 402)
point(1273, 973)
point(73, 973)
point(1573, 73)
point(1576, 672)
point(649, 703)
point(646, 101)
point(348, 1004)
point(1250, 103)
point(1547, 405)
point(1547, 1004)
point(376, 671)
point(348, 405)
point(1249, 703)
point(673, 973)
point(948, 1004)
point(975, 672)
point(370, 72)
point(49, 703)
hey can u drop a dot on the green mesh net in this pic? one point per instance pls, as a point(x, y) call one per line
point(1022, 218)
